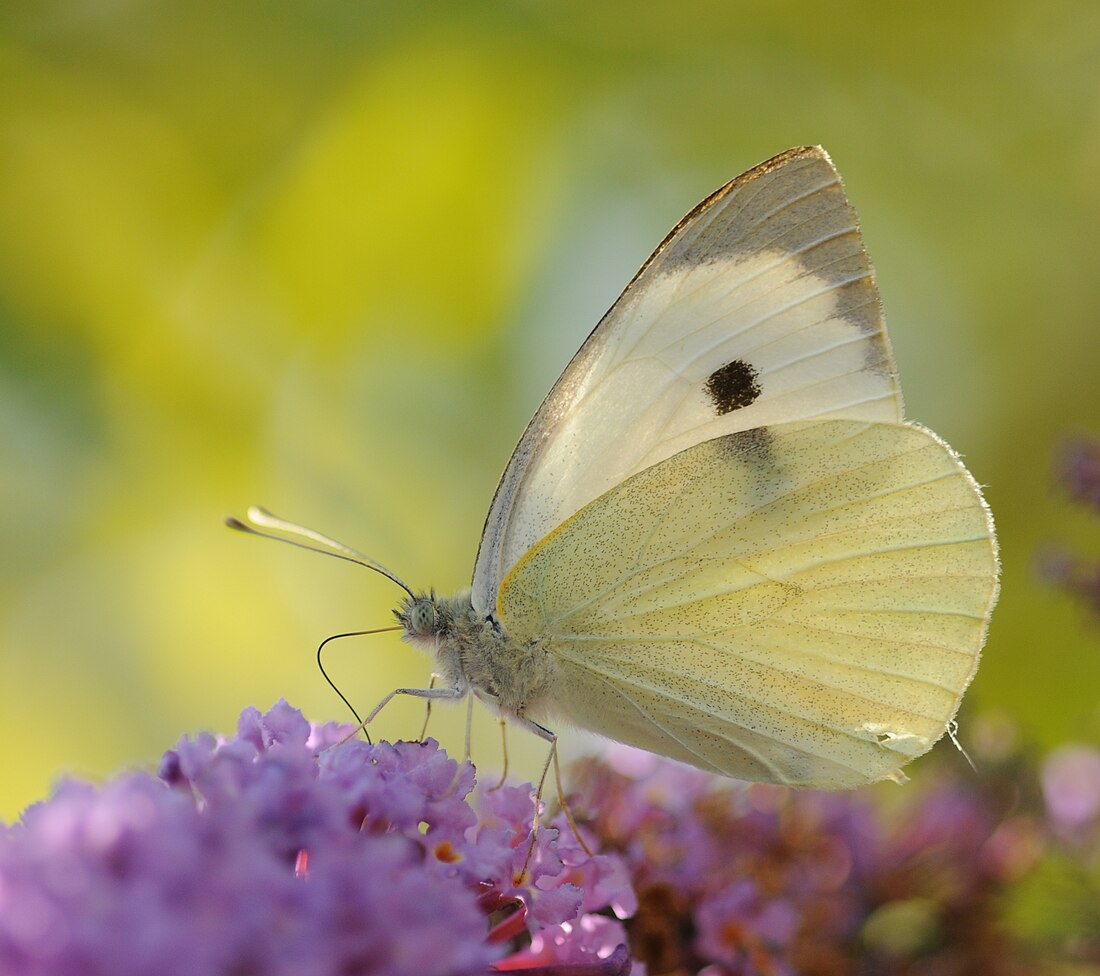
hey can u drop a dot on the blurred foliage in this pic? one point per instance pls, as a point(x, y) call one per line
point(329, 257)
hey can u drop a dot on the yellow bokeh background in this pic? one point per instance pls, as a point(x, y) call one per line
point(330, 256)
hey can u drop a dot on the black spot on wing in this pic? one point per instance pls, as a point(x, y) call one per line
point(732, 386)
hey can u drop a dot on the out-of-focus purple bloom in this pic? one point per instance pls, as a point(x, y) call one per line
point(1077, 576)
point(256, 855)
point(1078, 470)
point(736, 879)
point(1071, 787)
point(746, 932)
point(586, 940)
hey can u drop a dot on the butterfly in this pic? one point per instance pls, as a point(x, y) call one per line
point(718, 539)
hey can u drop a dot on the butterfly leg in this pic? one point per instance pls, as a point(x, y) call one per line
point(504, 752)
point(428, 707)
point(565, 806)
point(429, 694)
point(552, 758)
point(469, 724)
point(493, 703)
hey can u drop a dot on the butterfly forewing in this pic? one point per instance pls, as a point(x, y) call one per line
point(759, 308)
point(802, 604)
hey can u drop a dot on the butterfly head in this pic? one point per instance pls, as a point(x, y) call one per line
point(453, 634)
point(420, 617)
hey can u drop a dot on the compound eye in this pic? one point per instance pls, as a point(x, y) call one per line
point(422, 618)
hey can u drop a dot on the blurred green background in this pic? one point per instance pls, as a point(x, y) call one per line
point(329, 257)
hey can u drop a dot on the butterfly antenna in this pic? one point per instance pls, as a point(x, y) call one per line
point(331, 683)
point(262, 523)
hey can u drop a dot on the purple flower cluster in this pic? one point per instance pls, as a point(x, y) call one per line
point(272, 854)
point(286, 850)
point(736, 880)
point(1077, 472)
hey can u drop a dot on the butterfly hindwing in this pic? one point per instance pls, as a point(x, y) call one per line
point(759, 308)
point(803, 603)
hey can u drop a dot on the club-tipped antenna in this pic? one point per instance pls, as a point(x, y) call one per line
point(260, 520)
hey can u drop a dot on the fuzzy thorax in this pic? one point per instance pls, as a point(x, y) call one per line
point(473, 653)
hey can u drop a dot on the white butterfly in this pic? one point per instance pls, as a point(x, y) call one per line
point(718, 539)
